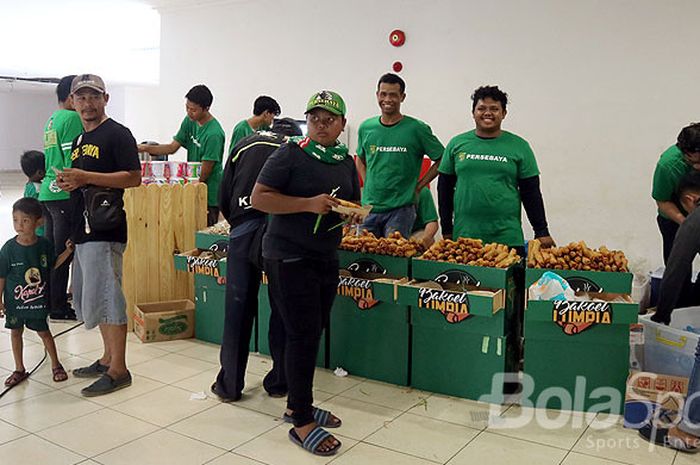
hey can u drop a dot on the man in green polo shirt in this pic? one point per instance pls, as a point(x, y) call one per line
point(390, 151)
point(264, 111)
point(485, 175)
point(203, 138)
point(61, 129)
point(675, 162)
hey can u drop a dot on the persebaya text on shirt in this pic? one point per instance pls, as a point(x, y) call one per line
point(461, 156)
point(380, 148)
point(86, 150)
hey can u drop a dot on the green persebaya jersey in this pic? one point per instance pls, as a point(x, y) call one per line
point(30, 190)
point(394, 155)
point(61, 129)
point(425, 210)
point(668, 173)
point(487, 200)
point(240, 131)
point(204, 143)
point(26, 269)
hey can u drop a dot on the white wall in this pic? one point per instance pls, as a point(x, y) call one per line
point(599, 88)
point(24, 109)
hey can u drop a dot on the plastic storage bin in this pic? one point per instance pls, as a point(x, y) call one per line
point(670, 350)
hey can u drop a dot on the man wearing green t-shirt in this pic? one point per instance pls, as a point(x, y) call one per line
point(426, 225)
point(390, 151)
point(264, 111)
point(485, 174)
point(675, 162)
point(61, 129)
point(203, 138)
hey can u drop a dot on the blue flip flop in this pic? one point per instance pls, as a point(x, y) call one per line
point(314, 439)
point(661, 437)
point(321, 417)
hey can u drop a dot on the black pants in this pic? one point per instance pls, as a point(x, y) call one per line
point(304, 290)
point(58, 229)
point(668, 230)
point(242, 286)
point(690, 293)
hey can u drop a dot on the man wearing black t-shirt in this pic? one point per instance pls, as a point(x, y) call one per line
point(105, 162)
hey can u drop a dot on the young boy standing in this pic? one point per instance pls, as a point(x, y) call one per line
point(32, 163)
point(25, 264)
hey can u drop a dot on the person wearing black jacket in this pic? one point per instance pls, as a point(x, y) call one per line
point(244, 269)
point(674, 291)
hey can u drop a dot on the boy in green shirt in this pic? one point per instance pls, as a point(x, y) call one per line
point(25, 264)
point(203, 138)
point(390, 151)
point(265, 109)
point(32, 163)
point(675, 162)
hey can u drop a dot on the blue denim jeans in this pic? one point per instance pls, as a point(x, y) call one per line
point(384, 223)
point(691, 410)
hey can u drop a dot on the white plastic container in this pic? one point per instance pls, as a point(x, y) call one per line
point(670, 350)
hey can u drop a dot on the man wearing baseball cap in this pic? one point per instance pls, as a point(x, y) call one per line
point(298, 186)
point(105, 162)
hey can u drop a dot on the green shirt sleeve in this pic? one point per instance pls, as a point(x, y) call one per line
point(663, 186)
point(51, 254)
point(425, 209)
point(528, 165)
point(213, 148)
point(71, 129)
point(183, 134)
point(432, 147)
point(447, 164)
point(360, 143)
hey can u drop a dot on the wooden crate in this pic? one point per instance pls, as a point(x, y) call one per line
point(162, 220)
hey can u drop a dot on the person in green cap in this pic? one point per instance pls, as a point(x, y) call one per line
point(203, 138)
point(61, 129)
point(485, 175)
point(678, 160)
point(390, 151)
point(299, 186)
point(265, 109)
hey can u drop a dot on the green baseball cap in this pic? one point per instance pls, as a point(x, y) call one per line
point(327, 100)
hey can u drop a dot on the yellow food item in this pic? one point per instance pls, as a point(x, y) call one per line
point(472, 252)
point(395, 245)
point(576, 256)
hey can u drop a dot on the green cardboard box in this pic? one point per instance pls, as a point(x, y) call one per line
point(461, 339)
point(192, 262)
point(580, 347)
point(369, 332)
point(208, 241)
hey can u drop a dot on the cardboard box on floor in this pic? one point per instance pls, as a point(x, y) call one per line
point(649, 395)
point(164, 321)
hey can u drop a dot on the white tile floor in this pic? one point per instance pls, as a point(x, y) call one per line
point(156, 422)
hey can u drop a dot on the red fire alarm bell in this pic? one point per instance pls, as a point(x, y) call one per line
point(397, 38)
point(397, 66)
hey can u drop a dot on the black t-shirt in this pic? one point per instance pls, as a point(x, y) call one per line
point(242, 168)
point(109, 148)
point(294, 173)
